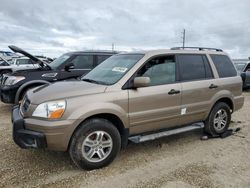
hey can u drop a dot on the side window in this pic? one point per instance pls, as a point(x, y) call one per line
point(160, 70)
point(83, 62)
point(192, 67)
point(224, 66)
point(24, 61)
point(101, 58)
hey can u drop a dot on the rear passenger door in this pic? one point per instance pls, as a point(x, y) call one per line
point(198, 87)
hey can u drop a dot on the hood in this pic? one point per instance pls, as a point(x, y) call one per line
point(21, 51)
point(25, 72)
point(63, 90)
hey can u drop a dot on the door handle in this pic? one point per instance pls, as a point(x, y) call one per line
point(173, 91)
point(212, 86)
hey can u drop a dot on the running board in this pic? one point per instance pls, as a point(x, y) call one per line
point(153, 136)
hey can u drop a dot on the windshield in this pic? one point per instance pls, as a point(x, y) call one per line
point(113, 69)
point(240, 66)
point(60, 60)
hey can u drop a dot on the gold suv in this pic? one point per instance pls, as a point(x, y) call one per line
point(137, 96)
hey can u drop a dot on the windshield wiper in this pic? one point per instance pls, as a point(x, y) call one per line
point(94, 81)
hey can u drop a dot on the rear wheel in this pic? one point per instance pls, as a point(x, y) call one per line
point(95, 144)
point(219, 119)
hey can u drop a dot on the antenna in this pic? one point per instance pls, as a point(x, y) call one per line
point(183, 38)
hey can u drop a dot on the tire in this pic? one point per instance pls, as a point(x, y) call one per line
point(84, 142)
point(218, 120)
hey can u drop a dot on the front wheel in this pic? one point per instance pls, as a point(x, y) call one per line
point(95, 144)
point(219, 119)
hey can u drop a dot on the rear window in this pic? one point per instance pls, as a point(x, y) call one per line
point(23, 61)
point(224, 66)
point(194, 67)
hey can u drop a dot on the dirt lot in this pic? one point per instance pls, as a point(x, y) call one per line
point(177, 161)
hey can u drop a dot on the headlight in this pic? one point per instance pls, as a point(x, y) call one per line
point(50, 110)
point(11, 80)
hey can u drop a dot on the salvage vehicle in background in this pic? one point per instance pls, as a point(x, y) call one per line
point(8, 55)
point(14, 64)
point(4, 62)
point(137, 96)
point(243, 68)
point(69, 66)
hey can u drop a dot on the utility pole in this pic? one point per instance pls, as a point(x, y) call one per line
point(113, 47)
point(183, 38)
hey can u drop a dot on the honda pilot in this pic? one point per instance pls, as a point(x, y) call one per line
point(137, 97)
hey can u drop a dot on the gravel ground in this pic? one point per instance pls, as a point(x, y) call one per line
point(177, 161)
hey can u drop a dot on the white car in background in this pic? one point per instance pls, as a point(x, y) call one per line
point(15, 64)
point(8, 55)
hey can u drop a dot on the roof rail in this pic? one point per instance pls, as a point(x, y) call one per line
point(198, 48)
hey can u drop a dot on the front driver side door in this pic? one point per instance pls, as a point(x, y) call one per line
point(82, 65)
point(157, 106)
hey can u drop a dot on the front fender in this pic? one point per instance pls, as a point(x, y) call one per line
point(27, 84)
point(86, 111)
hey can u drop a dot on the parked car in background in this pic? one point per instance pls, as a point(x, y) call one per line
point(243, 68)
point(8, 55)
point(69, 66)
point(15, 64)
point(137, 96)
point(4, 62)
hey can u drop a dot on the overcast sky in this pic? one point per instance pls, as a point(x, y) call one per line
point(53, 27)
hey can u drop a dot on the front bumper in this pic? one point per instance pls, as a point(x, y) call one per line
point(25, 138)
point(8, 94)
point(41, 133)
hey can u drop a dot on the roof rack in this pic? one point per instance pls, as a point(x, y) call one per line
point(198, 48)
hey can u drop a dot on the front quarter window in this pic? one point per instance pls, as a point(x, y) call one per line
point(113, 69)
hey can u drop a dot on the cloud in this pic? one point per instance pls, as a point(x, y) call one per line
point(55, 27)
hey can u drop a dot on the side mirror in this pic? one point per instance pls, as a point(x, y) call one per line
point(69, 67)
point(141, 82)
